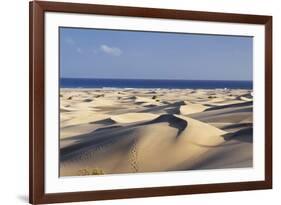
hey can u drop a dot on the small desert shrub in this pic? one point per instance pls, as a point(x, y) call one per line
point(154, 97)
point(90, 171)
point(97, 171)
point(87, 100)
point(83, 172)
point(101, 95)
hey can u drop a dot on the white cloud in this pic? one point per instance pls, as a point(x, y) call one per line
point(111, 50)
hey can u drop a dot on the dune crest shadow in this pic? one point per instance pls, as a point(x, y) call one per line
point(109, 133)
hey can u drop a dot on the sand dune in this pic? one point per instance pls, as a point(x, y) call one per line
point(133, 117)
point(164, 143)
point(237, 151)
point(132, 132)
point(192, 108)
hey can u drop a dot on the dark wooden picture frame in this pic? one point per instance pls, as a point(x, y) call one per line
point(37, 193)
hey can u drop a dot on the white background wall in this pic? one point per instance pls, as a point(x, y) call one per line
point(14, 100)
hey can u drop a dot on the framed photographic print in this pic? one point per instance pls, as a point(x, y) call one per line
point(138, 102)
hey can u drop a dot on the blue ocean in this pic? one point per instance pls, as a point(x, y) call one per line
point(145, 83)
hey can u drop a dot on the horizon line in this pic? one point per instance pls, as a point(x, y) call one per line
point(149, 79)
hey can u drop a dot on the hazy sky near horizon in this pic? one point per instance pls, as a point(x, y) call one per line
point(92, 53)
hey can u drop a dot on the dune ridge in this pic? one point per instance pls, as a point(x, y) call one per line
point(182, 130)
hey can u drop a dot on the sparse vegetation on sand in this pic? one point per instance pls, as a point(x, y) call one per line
point(90, 171)
point(148, 130)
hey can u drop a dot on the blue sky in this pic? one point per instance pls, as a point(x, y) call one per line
point(92, 53)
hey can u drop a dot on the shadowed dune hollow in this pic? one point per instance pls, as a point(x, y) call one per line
point(146, 130)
